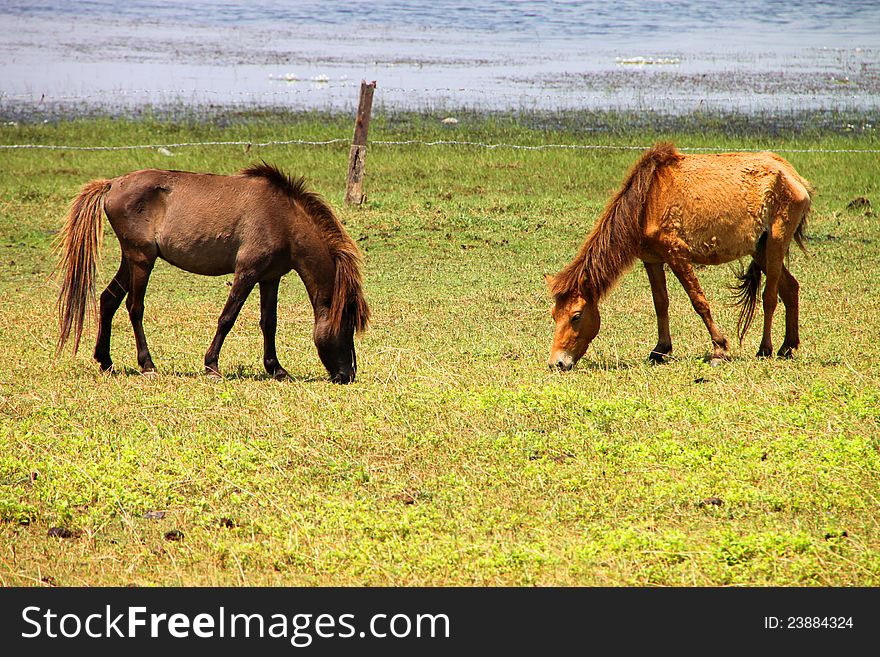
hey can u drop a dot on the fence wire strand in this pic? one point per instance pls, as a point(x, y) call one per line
point(411, 142)
point(185, 144)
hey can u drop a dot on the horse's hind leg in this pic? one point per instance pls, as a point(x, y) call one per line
point(241, 288)
point(789, 293)
point(140, 276)
point(111, 298)
point(773, 269)
point(657, 278)
point(268, 324)
point(780, 282)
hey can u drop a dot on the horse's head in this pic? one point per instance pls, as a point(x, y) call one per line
point(577, 324)
point(336, 351)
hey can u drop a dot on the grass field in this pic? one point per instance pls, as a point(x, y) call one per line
point(457, 457)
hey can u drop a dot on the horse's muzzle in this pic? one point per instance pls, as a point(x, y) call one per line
point(561, 361)
point(343, 377)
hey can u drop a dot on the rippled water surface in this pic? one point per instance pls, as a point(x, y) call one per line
point(674, 57)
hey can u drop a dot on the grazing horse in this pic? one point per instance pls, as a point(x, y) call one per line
point(681, 210)
point(258, 224)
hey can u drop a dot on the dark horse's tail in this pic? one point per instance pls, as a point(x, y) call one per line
point(79, 253)
point(746, 291)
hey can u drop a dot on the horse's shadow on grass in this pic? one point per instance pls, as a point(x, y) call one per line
point(606, 366)
point(239, 373)
point(669, 361)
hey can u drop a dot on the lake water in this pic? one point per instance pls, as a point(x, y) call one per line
point(662, 56)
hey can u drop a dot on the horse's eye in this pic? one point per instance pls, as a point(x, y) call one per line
point(575, 318)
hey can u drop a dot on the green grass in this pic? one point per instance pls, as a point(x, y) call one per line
point(457, 458)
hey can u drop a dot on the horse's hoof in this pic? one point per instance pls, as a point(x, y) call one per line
point(106, 368)
point(764, 353)
point(213, 374)
point(150, 374)
point(104, 362)
point(716, 362)
point(657, 358)
point(281, 375)
point(786, 352)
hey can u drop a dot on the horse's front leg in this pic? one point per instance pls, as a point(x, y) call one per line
point(688, 279)
point(268, 324)
point(657, 278)
point(242, 285)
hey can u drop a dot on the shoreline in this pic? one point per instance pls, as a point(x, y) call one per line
point(570, 121)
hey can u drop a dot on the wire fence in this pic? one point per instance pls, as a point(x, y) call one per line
point(411, 142)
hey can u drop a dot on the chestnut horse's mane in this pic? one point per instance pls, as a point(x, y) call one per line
point(348, 299)
point(613, 244)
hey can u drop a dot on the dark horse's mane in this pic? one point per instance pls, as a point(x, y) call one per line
point(348, 298)
point(613, 244)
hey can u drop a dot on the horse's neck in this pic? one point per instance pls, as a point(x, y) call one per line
point(318, 274)
point(605, 259)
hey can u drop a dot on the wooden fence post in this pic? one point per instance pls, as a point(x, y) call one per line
point(354, 191)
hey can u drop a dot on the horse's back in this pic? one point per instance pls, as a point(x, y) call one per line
point(196, 221)
point(720, 204)
point(710, 175)
point(146, 196)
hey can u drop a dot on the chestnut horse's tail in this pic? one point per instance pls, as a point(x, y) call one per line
point(800, 231)
point(747, 295)
point(80, 252)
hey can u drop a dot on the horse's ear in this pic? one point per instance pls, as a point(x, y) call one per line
point(548, 279)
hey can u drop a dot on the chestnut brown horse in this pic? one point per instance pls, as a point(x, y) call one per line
point(681, 210)
point(258, 224)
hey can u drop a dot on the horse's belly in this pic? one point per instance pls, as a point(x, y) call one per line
point(716, 250)
point(209, 255)
point(721, 239)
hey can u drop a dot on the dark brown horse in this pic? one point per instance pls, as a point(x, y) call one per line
point(259, 225)
point(680, 210)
